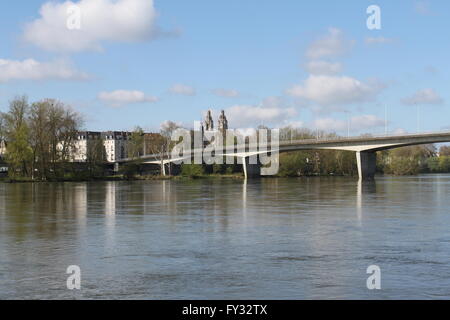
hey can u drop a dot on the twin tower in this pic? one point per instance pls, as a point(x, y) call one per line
point(222, 123)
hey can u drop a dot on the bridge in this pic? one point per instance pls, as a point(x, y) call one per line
point(365, 148)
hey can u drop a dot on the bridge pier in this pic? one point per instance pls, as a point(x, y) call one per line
point(251, 170)
point(367, 164)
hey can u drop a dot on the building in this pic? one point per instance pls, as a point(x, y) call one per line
point(116, 145)
point(84, 143)
point(207, 127)
point(208, 123)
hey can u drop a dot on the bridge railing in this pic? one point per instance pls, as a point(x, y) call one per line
point(255, 146)
point(361, 137)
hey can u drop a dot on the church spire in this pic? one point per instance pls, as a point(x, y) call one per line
point(223, 122)
point(209, 123)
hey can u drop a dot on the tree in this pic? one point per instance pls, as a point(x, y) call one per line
point(2, 126)
point(433, 164)
point(40, 138)
point(16, 131)
point(2, 134)
point(53, 131)
point(136, 143)
point(192, 170)
point(154, 143)
point(444, 151)
point(444, 164)
point(167, 129)
point(96, 156)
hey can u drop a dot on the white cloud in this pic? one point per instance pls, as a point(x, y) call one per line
point(122, 97)
point(248, 115)
point(333, 44)
point(101, 21)
point(357, 123)
point(183, 90)
point(425, 96)
point(333, 90)
point(30, 69)
point(227, 93)
point(378, 40)
point(323, 67)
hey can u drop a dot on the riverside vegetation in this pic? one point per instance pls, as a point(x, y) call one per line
point(41, 136)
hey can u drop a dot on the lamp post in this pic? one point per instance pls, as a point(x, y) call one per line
point(385, 120)
point(418, 117)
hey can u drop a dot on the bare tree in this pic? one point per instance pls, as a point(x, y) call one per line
point(40, 138)
point(155, 143)
point(136, 143)
point(96, 156)
point(54, 128)
point(167, 129)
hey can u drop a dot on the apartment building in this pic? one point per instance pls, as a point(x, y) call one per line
point(116, 144)
point(85, 141)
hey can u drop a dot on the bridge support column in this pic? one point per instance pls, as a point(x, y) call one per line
point(116, 167)
point(163, 169)
point(251, 170)
point(367, 164)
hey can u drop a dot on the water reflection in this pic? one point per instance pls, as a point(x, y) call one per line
point(267, 238)
point(364, 190)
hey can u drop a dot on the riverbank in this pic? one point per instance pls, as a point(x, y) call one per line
point(123, 178)
point(181, 177)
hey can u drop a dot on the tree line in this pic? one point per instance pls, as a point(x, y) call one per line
point(40, 137)
point(400, 161)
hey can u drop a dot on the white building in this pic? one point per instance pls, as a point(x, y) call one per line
point(84, 141)
point(116, 145)
point(114, 142)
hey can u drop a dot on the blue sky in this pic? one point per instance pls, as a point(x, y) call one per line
point(312, 64)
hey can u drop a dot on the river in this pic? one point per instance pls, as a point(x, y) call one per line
point(306, 238)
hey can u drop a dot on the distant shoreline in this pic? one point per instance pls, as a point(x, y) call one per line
point(189, 178)
point(120, 178)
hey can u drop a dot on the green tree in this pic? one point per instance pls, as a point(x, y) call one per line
point(293, 164)
point(433, 164)
point(192, 170)
point(444, 163)
point(19, 153)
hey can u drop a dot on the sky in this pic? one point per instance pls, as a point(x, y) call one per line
point(315, 64)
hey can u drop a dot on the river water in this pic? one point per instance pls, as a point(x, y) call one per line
point(306, 238)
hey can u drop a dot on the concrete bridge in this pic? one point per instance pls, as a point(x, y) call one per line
point(364, 146)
